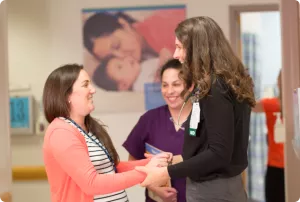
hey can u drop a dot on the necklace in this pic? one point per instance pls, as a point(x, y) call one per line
point(177, 123)
point(194, 93)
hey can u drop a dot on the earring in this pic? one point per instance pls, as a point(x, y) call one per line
point(69, 101)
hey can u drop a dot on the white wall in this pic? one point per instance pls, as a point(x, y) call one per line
point(29, 43)
point(45, 34)
point(266, 26)
point(271, 44)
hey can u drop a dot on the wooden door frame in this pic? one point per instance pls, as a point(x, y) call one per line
point(235, 33)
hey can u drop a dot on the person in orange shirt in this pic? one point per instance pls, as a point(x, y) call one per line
point(81, 161)
point(274, 180)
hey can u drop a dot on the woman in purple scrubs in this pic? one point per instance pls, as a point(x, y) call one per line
point(159, 127)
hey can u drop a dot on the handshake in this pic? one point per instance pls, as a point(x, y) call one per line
point(156, 169)
point(159, 160)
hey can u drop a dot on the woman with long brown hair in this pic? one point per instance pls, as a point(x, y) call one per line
point(217, 131)
point(81, 161)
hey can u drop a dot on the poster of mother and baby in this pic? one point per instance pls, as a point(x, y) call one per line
point(124, 48)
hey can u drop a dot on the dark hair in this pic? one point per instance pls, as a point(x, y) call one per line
point(57, 89)
point(101, 79)
point(174, 64)
point(102, 24)
point(209, 55)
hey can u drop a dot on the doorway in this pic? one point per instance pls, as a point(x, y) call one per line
point(256, 38)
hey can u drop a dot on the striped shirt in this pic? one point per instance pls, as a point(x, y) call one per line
point(102, 164)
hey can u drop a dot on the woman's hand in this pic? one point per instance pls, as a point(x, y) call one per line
point(167, 194)
point(156, 176)
point(159, 160)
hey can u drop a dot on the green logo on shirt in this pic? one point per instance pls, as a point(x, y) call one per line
point(192, 132)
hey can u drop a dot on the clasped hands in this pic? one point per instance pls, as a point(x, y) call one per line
point(156, 169)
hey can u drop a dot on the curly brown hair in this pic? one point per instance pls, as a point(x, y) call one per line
point(208, 54)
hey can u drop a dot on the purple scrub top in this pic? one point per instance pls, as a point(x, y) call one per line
point(156, 128)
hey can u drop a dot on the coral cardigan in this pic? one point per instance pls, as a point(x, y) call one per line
point(72, 176)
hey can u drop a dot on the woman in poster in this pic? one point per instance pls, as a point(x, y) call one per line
point(120, 37)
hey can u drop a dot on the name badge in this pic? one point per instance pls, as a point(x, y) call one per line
point(195, 119)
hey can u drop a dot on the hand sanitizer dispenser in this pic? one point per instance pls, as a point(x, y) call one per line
point(279, 129)
point(41, 122)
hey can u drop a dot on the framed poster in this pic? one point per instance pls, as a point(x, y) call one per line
point(124, 49)
point(153, 96)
